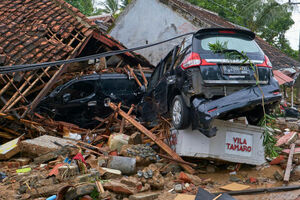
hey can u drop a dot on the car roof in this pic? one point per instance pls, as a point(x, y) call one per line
point(241, 31)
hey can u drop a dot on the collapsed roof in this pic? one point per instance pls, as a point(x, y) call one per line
point(36, 31)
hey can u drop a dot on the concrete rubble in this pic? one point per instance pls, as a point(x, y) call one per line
point(130, 166)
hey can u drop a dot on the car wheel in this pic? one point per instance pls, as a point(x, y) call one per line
point(180, 113)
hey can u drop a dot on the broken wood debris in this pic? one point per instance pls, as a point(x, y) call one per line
point(289, 164)
point(144, 130)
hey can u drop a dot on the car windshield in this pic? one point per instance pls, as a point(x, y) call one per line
point(239, 43)
point(235, 42)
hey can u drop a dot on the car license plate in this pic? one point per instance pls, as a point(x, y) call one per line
point(229, 69)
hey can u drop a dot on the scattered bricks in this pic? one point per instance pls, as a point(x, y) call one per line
point(144, 196)
point(135, 138)
point(279, 160)
point(195, 179)
point(183, 177)
point(42, 145)
point(119, 188)
point(126, 165)
point(80, 191)
point(117, 140)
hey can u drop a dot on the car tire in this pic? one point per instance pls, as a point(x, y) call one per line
point(180, 113)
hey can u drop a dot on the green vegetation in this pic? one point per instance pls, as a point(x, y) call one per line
point(85, 6)
point(268, 19)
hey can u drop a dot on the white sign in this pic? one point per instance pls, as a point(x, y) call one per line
point(238, 144)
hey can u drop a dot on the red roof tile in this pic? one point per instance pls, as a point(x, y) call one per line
point(27, 27)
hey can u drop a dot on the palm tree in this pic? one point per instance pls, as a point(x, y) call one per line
point(111, 6)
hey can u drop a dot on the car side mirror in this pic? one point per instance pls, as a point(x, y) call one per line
point(66, 97)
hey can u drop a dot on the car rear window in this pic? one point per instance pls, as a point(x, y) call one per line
point(236, 42)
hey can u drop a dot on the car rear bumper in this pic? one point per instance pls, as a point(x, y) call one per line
point(204, 112)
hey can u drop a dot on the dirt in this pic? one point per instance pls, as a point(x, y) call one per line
point(265, 177)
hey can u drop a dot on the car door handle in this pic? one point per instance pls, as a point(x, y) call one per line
point(92, 103)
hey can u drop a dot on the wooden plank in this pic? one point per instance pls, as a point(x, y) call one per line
point(100, 187)
point(15, 99)
point(133, 74)
point(123, 119)
point(52, 81)
point(289, 164)
point(235, 187)
point(144, 130)
point(143, 75)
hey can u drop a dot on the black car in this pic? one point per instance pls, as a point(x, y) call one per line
point(196, 85)
point(80, 100)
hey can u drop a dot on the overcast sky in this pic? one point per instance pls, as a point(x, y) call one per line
point(292, 34)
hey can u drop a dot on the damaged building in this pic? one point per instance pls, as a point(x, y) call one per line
point(41, 31)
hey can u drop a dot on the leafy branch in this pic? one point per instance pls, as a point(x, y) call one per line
point(269, 141)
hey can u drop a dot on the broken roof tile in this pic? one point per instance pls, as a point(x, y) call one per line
point(29, 21)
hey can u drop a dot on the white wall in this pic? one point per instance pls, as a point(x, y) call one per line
point(152, 21)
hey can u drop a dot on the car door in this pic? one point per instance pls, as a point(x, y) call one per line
point(76, 99)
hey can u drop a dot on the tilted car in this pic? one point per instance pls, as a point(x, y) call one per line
point(80, 100)
point(196, 85)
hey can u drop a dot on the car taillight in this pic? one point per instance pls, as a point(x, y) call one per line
point(266, 63)
point(194, 60)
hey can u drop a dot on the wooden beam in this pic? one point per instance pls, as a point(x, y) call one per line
point(143, 75)
point(123, 119)
point(289, 164)
point(52, 81)
point(133, 74)
point(144, 130)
